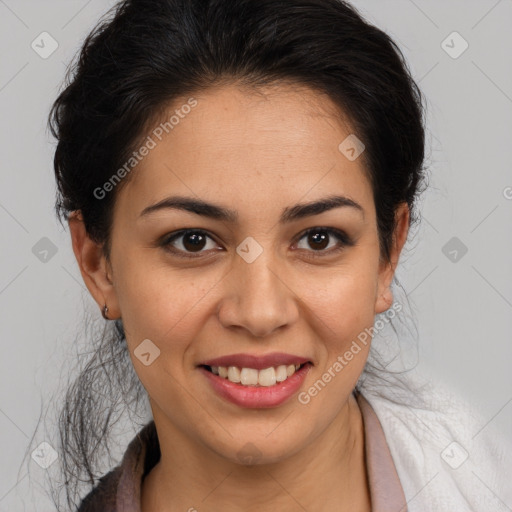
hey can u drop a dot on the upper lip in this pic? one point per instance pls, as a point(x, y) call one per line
point(256, 362)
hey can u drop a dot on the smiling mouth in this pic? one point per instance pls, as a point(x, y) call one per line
point(271, 376)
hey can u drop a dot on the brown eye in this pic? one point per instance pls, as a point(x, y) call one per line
point(193, 241)
point(189, 242)
point(319, 239)
point(319, 242)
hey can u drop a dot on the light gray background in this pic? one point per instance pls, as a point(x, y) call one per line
point(464, 308)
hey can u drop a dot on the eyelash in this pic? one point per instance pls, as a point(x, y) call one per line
point(345, 241)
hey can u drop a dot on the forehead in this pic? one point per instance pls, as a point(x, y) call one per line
point(248, 149)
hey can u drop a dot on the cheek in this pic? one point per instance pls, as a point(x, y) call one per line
point(159, 301)
point(168, 308)
point(345, 303)
point(344, 312)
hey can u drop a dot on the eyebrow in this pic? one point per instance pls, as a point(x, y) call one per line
point(289, 214)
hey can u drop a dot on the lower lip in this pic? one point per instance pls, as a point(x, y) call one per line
point(257, 396)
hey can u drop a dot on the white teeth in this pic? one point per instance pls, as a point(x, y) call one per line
point(248, 376)
point(281, 373)
point(267, 377)
point(233, 374)
point(253, 377)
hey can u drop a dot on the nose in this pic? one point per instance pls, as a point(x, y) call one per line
point(257, 298)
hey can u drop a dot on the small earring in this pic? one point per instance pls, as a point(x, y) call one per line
point(104, 312)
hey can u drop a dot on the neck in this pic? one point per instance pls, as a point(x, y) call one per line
point(328, 474)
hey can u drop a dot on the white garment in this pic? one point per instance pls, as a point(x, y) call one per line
point(435, 474)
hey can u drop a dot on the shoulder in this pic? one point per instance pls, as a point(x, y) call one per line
point(124, 481)
point(448, 457)
point(102, 498)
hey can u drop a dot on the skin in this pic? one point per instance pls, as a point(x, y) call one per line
point(256, 153)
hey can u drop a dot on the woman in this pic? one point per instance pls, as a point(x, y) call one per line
point(239, 179)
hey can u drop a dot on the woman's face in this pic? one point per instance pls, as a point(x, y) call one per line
point(253, 284)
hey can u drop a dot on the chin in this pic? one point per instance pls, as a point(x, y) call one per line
point(258, 453)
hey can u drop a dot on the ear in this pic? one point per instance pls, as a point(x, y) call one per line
point(384, 298)
point(94, 267)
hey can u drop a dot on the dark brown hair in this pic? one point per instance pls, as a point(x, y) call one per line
point(142, 56)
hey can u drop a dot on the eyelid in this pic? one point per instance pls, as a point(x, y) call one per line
point(339, 233)
point(344, 241)
point(167, 239)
